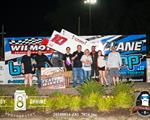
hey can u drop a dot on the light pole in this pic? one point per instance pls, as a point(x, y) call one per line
point(90, 3)
point(3, 43)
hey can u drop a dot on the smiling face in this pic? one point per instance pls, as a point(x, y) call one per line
point(99, 53)
point(113, 49)
point(86, 52)
point(79, 48)
point(68, 49)
point(93, 49)
point(39, 52)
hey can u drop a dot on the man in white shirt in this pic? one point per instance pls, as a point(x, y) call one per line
point(114, 64)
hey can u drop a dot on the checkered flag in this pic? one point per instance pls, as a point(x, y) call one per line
point(28, 41)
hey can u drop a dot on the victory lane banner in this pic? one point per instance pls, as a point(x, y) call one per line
point(131, 47)
point(53, 78)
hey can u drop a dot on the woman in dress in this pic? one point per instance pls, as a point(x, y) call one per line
point(27, 68)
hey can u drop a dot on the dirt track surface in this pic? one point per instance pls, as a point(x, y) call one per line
point(81, 115)
point(80, 118)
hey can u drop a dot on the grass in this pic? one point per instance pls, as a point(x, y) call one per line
point(30, 90)
point(90, 87)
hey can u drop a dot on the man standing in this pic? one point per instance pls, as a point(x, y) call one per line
point(94, 55)
point(77, 66)
point(41, 60)
point(114, 64)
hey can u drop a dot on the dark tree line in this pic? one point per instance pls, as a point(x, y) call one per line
point(108, 16)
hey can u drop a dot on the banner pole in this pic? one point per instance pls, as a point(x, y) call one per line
point(2, 49)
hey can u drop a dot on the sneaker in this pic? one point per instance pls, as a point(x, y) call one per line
point(92, 77)
point(97, 77)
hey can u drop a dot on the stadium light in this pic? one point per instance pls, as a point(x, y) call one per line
point(90, 1)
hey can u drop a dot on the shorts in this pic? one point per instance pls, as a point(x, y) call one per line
point(68, 74)
point(28, 71)
point(101, 68)
point(114, 72)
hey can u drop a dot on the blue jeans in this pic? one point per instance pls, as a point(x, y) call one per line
point(87, 75)
point(38, 73)
point(77, 75)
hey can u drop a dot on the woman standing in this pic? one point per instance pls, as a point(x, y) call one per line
point(86, 64)
point(102, 68)
point(27, 68)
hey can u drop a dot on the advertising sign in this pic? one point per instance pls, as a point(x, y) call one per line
point(133, 53)
point(53, 78)
point(142, 105)
point(2, 71)
point(131, 47)
point(15, 48)
point(20, 46)
point(20, 100)
point(148, 69)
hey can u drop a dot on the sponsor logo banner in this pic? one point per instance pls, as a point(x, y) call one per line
point(53, 78)
point(2, 71)
point(15, 48)
point(131, 47)
point(133, 53)
point(34, 44)
point(148, 69)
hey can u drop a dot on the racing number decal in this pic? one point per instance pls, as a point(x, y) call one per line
point(59, 39)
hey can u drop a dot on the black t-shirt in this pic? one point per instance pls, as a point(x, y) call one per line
point(67, 61)
point(77, 61)
point(26, 60)
point(41, 60)
point(94, 58)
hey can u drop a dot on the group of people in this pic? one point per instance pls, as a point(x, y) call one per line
point(80, 65)
point(85, 65)
point(32, 64)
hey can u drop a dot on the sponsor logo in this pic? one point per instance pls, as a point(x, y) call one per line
point(34, 44)
point(131, 60)
point(143, 104)
point(20, 100)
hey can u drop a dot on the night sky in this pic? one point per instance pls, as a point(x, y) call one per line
point(32, 18)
